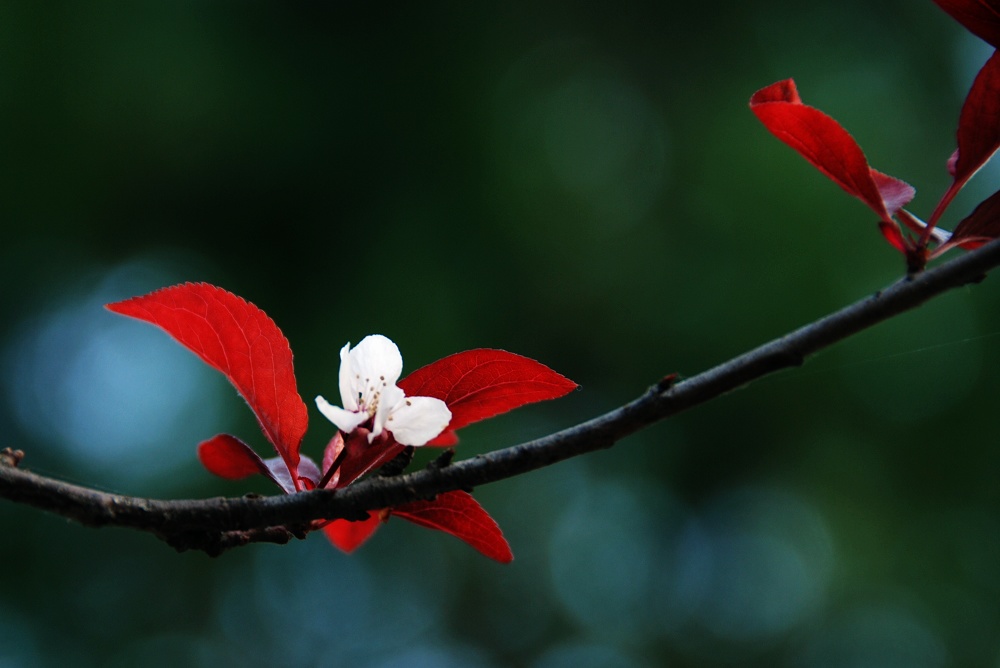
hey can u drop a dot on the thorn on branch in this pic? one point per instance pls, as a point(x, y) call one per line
point(11, 457)
point(443, 460)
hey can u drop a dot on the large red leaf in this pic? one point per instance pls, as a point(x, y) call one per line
point(478, 384)
point(978, 132)
point(980, 17)
point(828, 147)
point(981, 226)
point(238, 339)
point(979, 123)
point(460, 515)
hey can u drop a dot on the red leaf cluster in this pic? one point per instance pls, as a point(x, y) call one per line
point(475, 384)
point(831, 149)
point(243, 343)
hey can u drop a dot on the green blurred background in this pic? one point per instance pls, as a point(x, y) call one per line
point(578, 183)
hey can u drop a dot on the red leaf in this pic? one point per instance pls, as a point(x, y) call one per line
point(980, 17)
point(349, 536)
point(478, 384)
point(460, 515)
point(228, 457)
point(828, 147)
point(979, 123)
point(238, 339)
point(978, 132)
point(981, 226)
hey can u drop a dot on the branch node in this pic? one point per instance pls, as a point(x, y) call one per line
point(665, 383)
point(443, 460)
point(11, 457)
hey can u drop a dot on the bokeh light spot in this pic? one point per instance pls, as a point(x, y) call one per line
point(114, 396)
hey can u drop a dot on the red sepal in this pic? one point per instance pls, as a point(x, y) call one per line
point(239, 340)
point(458, 514)
point(478, 384)
point(362, 456)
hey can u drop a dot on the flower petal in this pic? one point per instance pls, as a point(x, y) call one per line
point(389, 397)
point(348, 390)
point(375, 360)
point(416, 420)
point(346, 421)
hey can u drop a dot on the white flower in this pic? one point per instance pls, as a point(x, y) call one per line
point(368, 390)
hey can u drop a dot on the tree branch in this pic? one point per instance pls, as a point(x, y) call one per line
point(217, 524)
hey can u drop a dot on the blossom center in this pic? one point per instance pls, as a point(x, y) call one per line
point(369, 401)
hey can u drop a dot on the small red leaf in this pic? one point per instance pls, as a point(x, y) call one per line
point(980, 17)
point(458, 514)
point(981, 226)
point(478, 384)
point(349, 536)
point(241, 341)
point(228, 457)
point(828, 147)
